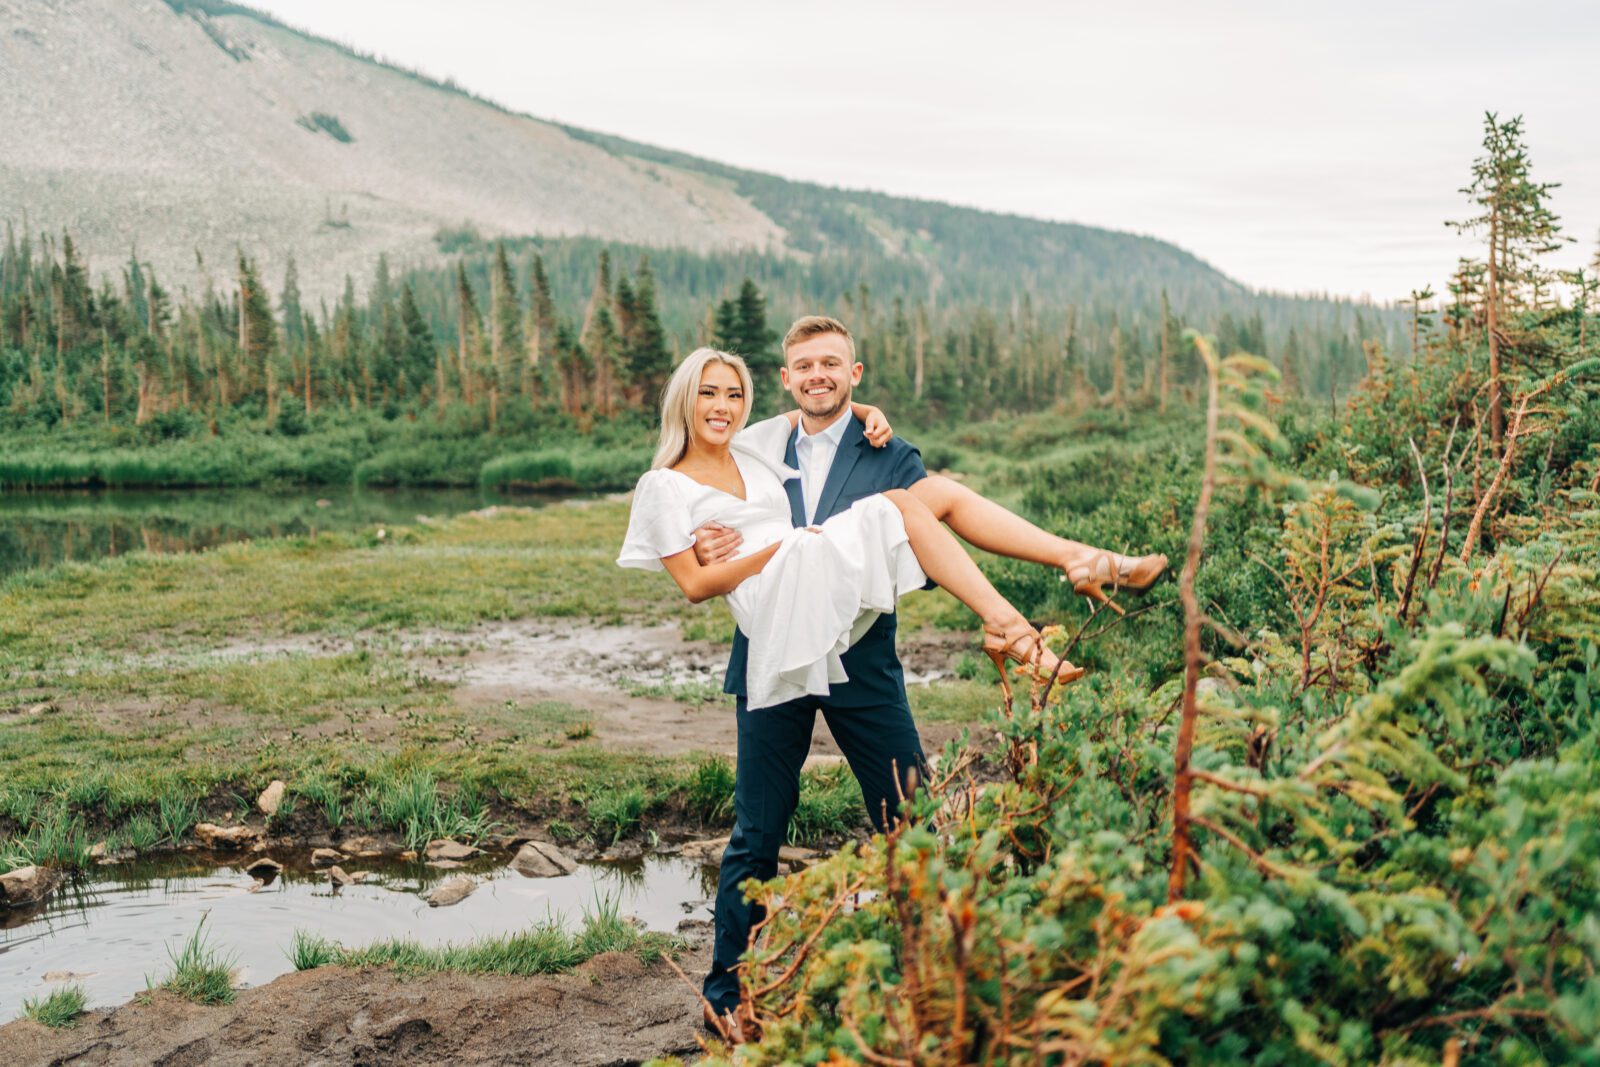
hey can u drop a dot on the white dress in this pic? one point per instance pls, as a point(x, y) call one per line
point(816, 596)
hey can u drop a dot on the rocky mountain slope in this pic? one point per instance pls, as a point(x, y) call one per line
point(135, 123)
point(186, 129)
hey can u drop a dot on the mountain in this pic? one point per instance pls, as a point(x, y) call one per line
point(188, 128)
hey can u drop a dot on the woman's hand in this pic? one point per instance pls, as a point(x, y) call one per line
point(875, 422)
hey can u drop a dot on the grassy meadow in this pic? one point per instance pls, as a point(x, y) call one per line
point(133, 705)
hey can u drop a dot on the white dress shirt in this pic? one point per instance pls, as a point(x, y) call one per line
point(814, 454)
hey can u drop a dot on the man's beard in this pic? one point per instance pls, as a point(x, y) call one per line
point(834, 402)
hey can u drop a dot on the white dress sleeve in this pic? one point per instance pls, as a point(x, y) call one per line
point(768, 438)
point(660, 523)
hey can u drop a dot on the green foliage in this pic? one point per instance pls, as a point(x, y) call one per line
point(412, 805)
point(544, 948)
point(59, 1009)
point(321, 121)
point(1394, 780)
point(200, 972)
point(616, 811)
point(709, 794)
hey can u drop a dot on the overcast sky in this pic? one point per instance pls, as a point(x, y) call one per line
point(1296, 146)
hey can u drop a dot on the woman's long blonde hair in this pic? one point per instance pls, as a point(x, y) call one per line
point(678, 401)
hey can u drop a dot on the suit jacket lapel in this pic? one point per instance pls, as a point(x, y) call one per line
point(797, 499)
point(844, 461)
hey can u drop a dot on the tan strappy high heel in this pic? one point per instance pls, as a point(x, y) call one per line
point(1137, 577)
point(1025, 647)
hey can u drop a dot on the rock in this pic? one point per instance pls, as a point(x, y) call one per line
point(357, 877)
point(798, 859)
point(450, 850)
point(707, 850)
point(264, 868)
point(97, 851)
point(366, 846)
point(271, 797)
point(537, 859)
point(818, 761)
point(409, 855)
point(446, 865)
point(28, 885)
point(337, 876)
point(67, 976)
point(325, 857)
point(121, 855)
point(224, 837)
point(454, 891)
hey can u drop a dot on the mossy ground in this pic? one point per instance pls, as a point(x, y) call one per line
point(134, 698)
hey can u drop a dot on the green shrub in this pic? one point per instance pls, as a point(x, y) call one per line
point(59, 1009)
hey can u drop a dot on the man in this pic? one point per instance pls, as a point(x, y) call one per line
point(869, 715)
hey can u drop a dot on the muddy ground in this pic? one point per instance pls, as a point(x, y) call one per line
point(612, 1010)
point(645, 688)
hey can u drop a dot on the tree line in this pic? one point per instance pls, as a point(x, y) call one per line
point(567, 329)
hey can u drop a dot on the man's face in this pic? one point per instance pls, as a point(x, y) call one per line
point(819, 374)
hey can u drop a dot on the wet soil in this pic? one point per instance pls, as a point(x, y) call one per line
point(612, 1010)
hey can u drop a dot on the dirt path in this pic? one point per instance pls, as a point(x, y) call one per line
point(612, 1010)
point(645, 688)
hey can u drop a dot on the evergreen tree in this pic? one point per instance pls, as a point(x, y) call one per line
point(645, 351)
point(1518, 226)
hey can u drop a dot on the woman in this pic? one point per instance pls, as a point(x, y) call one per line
point(803, 596)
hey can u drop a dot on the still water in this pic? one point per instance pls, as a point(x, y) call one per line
point(41, 529)
point(112, 930)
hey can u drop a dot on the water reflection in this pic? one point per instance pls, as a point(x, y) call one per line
point(112, 928)
point(41, 529)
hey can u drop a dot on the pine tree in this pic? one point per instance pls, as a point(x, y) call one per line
point(1518, 227)
point(645, 340)
point(505, 316)
point(258, 332)
point(469, 336)
point(601, 343)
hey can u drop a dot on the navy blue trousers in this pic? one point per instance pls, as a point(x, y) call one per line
point(879, 743)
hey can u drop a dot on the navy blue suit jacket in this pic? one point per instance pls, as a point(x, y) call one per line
point(858, 470)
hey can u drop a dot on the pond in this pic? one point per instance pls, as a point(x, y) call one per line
point(112, 929)
point(41, 529)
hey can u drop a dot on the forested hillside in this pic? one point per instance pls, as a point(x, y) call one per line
point(177, 135)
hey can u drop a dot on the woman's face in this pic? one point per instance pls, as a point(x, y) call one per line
point(720, 404)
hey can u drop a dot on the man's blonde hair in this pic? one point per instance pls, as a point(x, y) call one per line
point(809, 326)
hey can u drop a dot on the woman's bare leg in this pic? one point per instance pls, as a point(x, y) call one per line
point(946, 562)
point(984, 524)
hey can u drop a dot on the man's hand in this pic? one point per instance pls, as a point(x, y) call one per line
point(716, 543)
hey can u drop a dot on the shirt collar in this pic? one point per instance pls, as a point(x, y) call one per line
point(833, 434)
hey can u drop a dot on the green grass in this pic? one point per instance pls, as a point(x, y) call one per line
point(543, 948)
point(830, 804)
point(59, 1009)
point(709, 792)
point(413, 806)
point(200, 972)
point(616, 812)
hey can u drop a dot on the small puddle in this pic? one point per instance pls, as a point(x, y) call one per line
point(111, 929)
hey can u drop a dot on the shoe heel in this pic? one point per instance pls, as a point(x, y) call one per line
point(999, 658)
point(1095, 592)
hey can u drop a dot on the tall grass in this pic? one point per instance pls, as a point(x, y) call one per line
point(616, 811)
point(60, 1009)
point(412, 805)
point(544, 948)
point(53, 836)
point(593, 469)
point(199, 971)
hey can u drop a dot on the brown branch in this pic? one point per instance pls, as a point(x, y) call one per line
point(1182, 782)
point(1422, 535)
